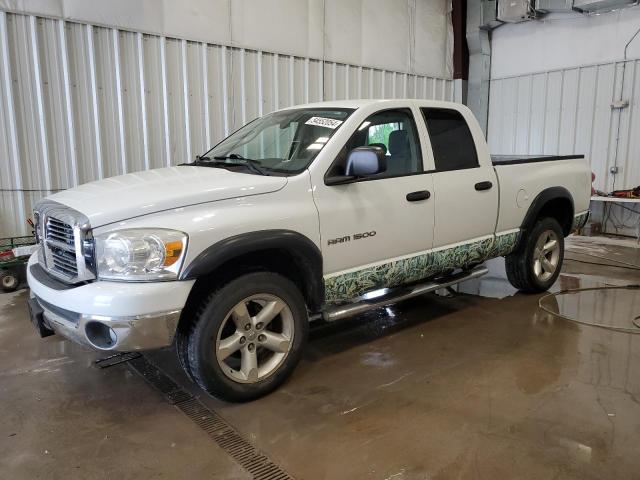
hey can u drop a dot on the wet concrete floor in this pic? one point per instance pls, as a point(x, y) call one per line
point(480, 384)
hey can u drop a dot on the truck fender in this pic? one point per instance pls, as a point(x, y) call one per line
point(305, 253)
point(540, 202)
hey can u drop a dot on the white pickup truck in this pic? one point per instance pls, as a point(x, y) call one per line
point(316, 211)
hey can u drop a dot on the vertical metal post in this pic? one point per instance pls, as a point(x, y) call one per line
point(346, 82)
point(371, 78)
point(115, 36)
point(292, 83)
point(334, 76)
point(143, 100)
point(243, 98)
point(46, 167)
point(225, 93)
point(306, 80)
point(276, 86)
point(67, 103)
point(165, 100)
point(94, 102)
point(185, 92)
point(544, 110)
point(559, 113)
point(393, 85)
point(260, 98)
point(205, 95)
point(259, 82)
point(321, 81)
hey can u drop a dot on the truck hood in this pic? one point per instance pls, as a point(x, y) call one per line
point(142, 193)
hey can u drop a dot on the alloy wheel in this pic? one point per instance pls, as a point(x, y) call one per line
point(255, 338)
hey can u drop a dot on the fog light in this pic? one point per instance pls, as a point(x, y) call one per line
point(100, 335)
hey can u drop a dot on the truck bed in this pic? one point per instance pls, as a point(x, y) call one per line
point(498, 160)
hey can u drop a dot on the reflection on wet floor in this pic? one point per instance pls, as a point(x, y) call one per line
point(612, 307)
point(606, 250)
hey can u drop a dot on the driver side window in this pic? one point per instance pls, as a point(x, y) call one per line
point(394, 131)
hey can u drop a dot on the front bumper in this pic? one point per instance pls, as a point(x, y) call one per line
point(114, 316)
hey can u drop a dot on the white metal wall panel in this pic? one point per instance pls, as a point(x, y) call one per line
point(569, 111)
point(82, 102)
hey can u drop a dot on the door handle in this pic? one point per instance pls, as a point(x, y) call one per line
point(484, 186)
point(417, 196)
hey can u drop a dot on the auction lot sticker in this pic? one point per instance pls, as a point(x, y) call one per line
point(324, 122)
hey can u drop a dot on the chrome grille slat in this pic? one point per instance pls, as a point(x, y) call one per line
point(60, 259)
point(57, 231)
point(64, 269)
point(60, 227)
point(60, 231)
point(63, 234)
point(56, 223)
point(60, 245)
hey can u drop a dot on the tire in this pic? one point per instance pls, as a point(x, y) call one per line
point(9, 281)
point(236, 348)
point(526, 269)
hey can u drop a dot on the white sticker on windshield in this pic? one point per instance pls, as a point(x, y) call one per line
point(324, 122)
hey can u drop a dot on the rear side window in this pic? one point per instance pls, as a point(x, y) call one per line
point(451, 140)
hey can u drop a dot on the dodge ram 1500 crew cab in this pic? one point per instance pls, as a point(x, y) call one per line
point(300, 214)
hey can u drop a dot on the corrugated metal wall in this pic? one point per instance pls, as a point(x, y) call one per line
point(569, 111)
point(83, 102)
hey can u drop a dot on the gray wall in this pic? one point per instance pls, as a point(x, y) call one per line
point(90, 90)
point(553, 83)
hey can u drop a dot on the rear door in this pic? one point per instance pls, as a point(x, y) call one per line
point(465, 188)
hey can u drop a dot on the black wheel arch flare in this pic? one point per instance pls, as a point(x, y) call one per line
point(306, 255)
point(543, 204)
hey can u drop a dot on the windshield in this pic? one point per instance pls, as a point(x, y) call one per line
point(284, 142)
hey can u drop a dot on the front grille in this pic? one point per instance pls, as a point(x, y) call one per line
point(64, 261)
point(59, 232)
point(63, 235)
point(60, 241)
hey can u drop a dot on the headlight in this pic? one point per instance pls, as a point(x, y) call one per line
point(140, 254)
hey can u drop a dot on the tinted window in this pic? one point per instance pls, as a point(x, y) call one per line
point(451, 140)
point(395, 132)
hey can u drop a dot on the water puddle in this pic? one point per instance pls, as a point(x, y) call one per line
point(613, 307)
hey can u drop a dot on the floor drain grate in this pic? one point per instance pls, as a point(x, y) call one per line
point(116, 359)
point(256, 463)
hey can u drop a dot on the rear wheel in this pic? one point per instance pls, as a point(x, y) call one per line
point(247, 337)
point(536, 266)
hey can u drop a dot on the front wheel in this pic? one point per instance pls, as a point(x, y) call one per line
point(247, 337)
point(536, 266)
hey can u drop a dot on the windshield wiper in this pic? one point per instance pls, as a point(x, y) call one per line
point(220, 161)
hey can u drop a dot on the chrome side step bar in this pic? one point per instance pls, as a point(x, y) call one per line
point(397, 295)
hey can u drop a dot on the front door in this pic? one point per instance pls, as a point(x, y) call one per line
point(375, 231)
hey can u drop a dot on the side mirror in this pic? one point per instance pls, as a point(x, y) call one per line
point(366, 161)
point(361, 162)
